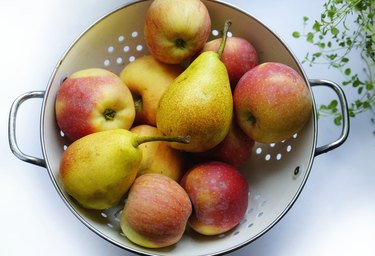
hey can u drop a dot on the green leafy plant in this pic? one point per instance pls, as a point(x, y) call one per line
point(345, 27)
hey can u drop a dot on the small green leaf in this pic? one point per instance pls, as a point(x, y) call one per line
point(338, 120)
point(345, 60)
point(317, 54)
point(333, 104)
point(310, 37)
point(305, 19)
point(366, 104)
point(317, 26)
point(369, 86)
point(335, 31)
point(296, 34)
point(356, 83)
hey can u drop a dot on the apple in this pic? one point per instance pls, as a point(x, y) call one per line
point(156, 211)
point(219, 194)
point(147, 79)
point(176, 30)
point(272, 102)
point(239, 56)
point(235, 149)
point(157, 156)
point(93, 100)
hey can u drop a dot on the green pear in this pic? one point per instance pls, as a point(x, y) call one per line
point(98, 169)
point(198, 103)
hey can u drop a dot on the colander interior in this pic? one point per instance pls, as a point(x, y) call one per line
point(276, 173)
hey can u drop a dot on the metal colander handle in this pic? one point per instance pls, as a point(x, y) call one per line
point(12, 128)
point(344, 112)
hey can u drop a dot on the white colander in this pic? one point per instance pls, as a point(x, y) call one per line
point(276, 173)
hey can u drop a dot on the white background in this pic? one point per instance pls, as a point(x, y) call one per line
point(334, 215)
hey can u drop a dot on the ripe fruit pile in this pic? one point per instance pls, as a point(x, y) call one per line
point(172, 139)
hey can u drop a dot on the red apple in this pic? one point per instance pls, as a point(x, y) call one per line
point(93, 100)
point(235, 149)
point(158, 156)
point(156, 211)
point(239, 56)
point(175, 30)
point(272, 102)
point(147, 79)
point(219, 194)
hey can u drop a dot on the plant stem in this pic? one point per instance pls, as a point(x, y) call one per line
point(227, 24)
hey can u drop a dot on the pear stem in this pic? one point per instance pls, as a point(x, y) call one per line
point(227, 24)
point(143, 139)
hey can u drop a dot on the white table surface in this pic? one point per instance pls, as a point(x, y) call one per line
point(334, 215)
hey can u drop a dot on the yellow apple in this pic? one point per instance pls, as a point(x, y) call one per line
point(176, 30)
point(158, 157)
point(147, 80)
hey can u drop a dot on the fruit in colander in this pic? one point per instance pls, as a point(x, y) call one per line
point(175, 30)
point(156, 211)
point(93, 100)
point(219, 194)
point(272, 102)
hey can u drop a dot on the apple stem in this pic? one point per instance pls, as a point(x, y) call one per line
point(143, 139)
point(227, 24)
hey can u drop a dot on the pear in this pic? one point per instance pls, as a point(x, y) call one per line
point(198, 103)
point(98, 169)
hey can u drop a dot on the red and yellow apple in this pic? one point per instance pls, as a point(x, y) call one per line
point(176, 30)
point(219, 194)
point(272, 102)
point(235, 149)
point(157, 156)
point(239, 56)
point(147, 79)
point(156, 211)
point(93, 100)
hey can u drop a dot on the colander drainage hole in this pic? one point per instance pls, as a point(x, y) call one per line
point(258, 151)
point(107, 63)
point(215, 32)
point(257, 196)
point(121, 39)
point(288, 148)
point(131, 58)
point(250, 211)
point(134, 34)
point(111, 49)
point(119, 60)
point(267, 157)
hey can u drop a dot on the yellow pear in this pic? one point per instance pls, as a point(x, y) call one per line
point(198, 103)
point(98, 169)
